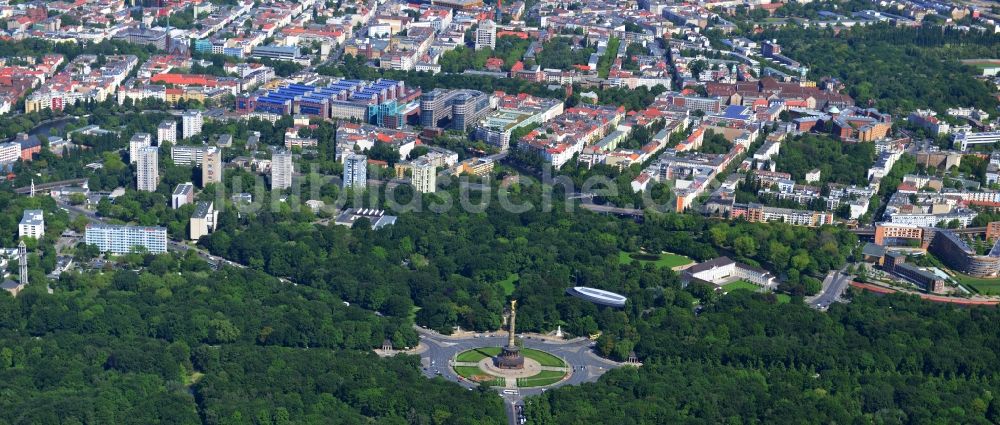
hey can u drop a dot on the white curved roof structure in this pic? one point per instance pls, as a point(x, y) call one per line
point(598, 296)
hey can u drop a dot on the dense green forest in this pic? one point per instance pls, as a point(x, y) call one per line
point(183, 19)
point(563, 53)
point(179, 344)
point(838, 162)
point(35, 46)
point(747, 360)
point(508, 48)
point(714, 143)
point(896, 69)
point(450, 263)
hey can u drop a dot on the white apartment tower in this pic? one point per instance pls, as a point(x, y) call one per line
point(10, 152)
point(119, 239)
point(32, 224)
point(147, 169)
point(190, 124)
point(356, 171)
point(486, 35)
point(138, 141)
point(424, 178)
point(281, 170)
point(166, 132)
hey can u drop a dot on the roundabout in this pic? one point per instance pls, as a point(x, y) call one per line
point(540, 369)
point(516, 367)
point(466, 359)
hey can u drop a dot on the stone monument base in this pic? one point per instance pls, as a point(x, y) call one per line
point(509, 358)
point(531, 368)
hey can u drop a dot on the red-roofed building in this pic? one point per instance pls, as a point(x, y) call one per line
point(519, 34)
point(494, 64)
point(185, 80)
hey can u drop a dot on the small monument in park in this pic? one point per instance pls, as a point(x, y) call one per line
point(510, 357)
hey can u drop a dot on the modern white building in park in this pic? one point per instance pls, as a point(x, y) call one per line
point(598, 296)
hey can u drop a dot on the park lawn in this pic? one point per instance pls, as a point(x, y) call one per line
point(468, 372)
point(543, 378)
point(472, 372)
point(980, 285)
point(413, 314)
point(193, 378)
point(980, 66)
point(543, 358)
point(477, 354)
point(665, 259)
point(740, 284)
point(508, 283)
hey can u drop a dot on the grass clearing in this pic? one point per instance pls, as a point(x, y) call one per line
point(665, 259)
point(543, 378)
point(604, 63)
point(508, 283)
point(193, 378)
point(477, 354)
point(468, 372)
point(984, 286)
point(476, 374)
point(981, 64)
point(740, 284)
point(413, 314)
point(543, 358)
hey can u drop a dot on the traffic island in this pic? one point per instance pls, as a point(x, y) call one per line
point(539, 368)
